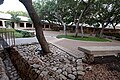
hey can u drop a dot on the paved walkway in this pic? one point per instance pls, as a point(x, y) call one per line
point(67, 43)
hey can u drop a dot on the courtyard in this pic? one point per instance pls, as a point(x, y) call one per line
point(65, 61)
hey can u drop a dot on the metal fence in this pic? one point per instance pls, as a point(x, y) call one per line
point(7, 37)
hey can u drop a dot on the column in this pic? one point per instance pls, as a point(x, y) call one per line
point(3, 23)
point(44, 26)
point(15, 25)
point(25, 25)
point(32, 25)
point(49, 26)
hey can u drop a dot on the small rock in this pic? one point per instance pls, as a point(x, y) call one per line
point(55, 68)
point(44, 72)
point(79, 61)
point(73, 59)
point(51, 79)
point(8, 68)
point(19, 79)
point(65, 73)
point(88, 68)
point(36, 65)
point(65, 66)
point(61, 66)
point(80, 77)
point(80, 72)
point(71, 76)
point(69, 70)
point(70, 58)
point(15, 74)
point(75, 73)
point(74, 69)
point(63, 77)
point(66, 60)
point(80, 68)
point(59, 71)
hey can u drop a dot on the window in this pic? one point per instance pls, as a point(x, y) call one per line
point(13, 25)
point(21, 24)
point(1, 23)
point(47, 26)
point(42, 26)
point(28, 25)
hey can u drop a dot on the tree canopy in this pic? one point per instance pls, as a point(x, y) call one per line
point(92, 12)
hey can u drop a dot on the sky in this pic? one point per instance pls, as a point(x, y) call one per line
point(12, 5)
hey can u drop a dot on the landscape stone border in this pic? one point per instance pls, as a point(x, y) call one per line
point(3, 75)
point(54, 66)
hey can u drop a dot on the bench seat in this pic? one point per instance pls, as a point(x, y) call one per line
point(94, 51)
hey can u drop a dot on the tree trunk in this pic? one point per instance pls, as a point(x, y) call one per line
point(101, 32)
point(103, 27)
point(64, 26)
point(65, 33)
point(77, 29)
point(37, 24)
point(77, 24)
point(82, 33)
point(1, 2)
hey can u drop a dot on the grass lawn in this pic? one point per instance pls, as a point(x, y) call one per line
point(84, 38)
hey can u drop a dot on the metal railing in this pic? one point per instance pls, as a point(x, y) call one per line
point(7, 37)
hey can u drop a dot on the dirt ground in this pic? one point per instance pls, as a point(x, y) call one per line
point(107, 68)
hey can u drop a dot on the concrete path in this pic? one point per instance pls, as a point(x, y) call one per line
point(67, 43)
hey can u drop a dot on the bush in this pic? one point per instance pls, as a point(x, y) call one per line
point(18, 35)
point(23, 34)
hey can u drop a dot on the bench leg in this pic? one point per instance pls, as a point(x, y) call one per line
point(88, 58)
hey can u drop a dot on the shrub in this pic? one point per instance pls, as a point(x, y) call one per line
point(18, 35)
point(24, 33)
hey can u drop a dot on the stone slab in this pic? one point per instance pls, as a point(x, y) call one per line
point(100, 50)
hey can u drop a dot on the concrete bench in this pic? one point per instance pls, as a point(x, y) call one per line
point(94, 51)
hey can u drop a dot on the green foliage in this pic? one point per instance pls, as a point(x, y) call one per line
point(24, 33)
point(6, 30)
point(83, 39)
point(8, 23)
point(18, 35)
point(18, 13)
point(15, 18)
point(105, 12)
point(29, 20)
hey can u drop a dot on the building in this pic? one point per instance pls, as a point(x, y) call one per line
point(24, 23)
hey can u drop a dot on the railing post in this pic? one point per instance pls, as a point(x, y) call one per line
point(7, 37)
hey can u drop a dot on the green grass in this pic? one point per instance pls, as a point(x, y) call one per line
point(83, 39)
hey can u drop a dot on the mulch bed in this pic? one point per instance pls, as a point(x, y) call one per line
point(107, 68)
